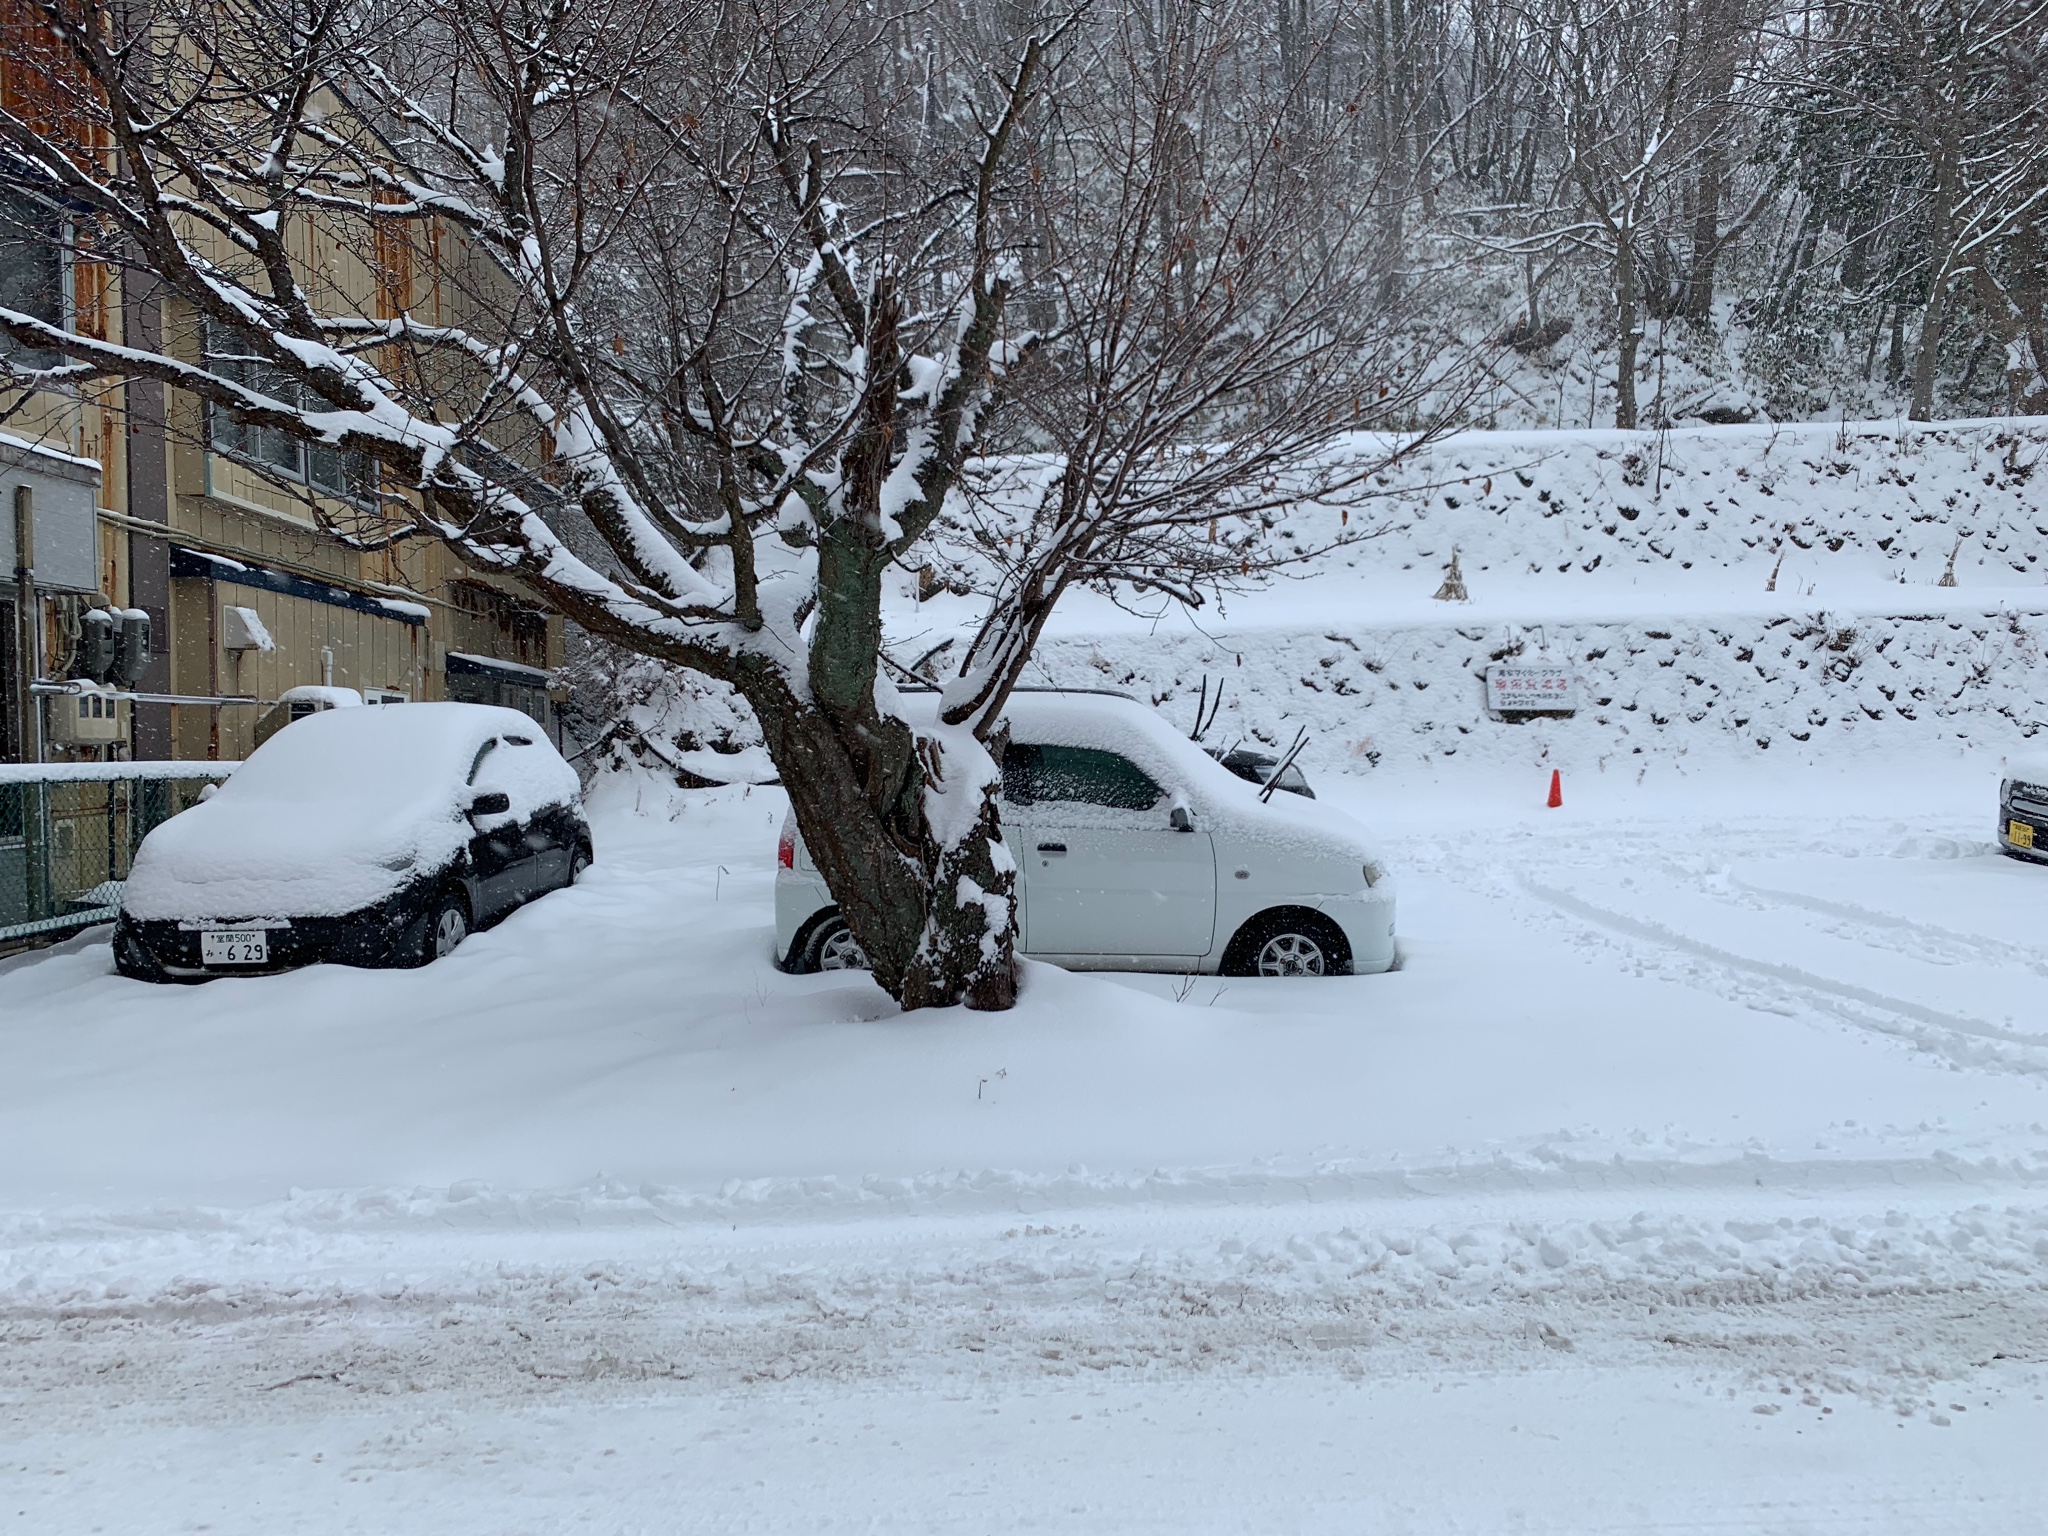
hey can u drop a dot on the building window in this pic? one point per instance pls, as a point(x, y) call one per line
point(497, 624)
point(482, 680)
point(31, 272)
point(279, 455)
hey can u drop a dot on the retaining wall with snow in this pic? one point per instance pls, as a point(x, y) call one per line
point(1727, 590)
point(1798, 686)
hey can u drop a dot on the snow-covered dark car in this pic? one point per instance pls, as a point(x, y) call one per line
point(2023, 809)
point(376, 837)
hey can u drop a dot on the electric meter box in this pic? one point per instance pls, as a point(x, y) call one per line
point(92, 717)
point(65, 522)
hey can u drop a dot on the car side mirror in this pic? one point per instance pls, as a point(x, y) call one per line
point(1181, 819)
point(495, 803)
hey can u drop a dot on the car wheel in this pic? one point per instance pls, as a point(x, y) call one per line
point(1288, 943)
point(578, 865)
point(833, 947)
point(135, 962)
point(447, 927)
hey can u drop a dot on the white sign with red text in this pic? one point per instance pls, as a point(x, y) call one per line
point(1518, 689)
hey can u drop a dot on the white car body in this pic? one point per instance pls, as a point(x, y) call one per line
point(1116, 886)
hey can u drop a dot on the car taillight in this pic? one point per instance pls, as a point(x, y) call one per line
point(785, 850)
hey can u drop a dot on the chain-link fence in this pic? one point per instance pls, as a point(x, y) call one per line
point(69, 831)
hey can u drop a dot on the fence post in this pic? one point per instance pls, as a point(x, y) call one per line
point(35, 834)
point(28, 618)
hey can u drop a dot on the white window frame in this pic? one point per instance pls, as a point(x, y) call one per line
point(297, 474)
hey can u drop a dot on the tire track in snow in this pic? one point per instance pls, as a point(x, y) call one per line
point(1959, 1039)
point(1823, 1300)
point(1942, 945)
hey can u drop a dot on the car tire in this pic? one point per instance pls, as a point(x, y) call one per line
point(832, 947)
point(1289, 941)
point(578, 863)
point(447, 927)
point(135, 962)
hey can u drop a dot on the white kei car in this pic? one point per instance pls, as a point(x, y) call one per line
point(1138, 851)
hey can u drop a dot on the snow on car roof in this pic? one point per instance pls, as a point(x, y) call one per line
point(1090, 719)
point(397, 751)
point(2030, 766)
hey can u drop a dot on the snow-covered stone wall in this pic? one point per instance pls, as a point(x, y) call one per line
point(1798, 591)
point(1799, 687)
point(1726, 590)
point(1877, 501)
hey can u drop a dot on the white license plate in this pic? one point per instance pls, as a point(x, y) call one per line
point(234, 946)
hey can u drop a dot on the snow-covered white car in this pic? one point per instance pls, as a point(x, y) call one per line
point(1137, 850)
point(372, 836)
point(2023, 809)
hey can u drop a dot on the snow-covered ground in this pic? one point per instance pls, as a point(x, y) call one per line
point(1691, 1173)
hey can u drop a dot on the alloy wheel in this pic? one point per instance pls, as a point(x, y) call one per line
point(841, 951)
point(1291, 954)
point(450, 929)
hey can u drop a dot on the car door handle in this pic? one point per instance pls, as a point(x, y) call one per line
point(1052, 847)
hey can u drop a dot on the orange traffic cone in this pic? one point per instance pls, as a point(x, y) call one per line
point(1556, 789)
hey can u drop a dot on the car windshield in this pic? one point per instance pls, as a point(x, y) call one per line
point(1257, 768)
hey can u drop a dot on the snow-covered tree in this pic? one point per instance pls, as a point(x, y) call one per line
point(695, 317)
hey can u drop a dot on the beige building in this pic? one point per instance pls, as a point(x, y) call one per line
point(134, 500)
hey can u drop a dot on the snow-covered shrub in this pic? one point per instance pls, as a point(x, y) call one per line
point(634, 711)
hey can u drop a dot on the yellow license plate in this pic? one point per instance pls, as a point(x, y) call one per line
point(2019, 834)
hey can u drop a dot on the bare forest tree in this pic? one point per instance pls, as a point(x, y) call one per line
point(1760, 180)
point(1954, 94)
point(700, 319)
point(1647, 92)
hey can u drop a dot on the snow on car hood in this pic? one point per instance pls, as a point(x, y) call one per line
point(337, 811)
point(2027, 767)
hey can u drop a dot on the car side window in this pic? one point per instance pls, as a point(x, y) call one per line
point(512, 763)
point(1018, 762)
point(1077, 775)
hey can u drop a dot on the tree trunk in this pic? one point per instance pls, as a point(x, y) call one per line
point(1927, 349)
point(931, 897)
point(966, 952)
point(1698, 305)
point(2017, 308)
point(1629, 328)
